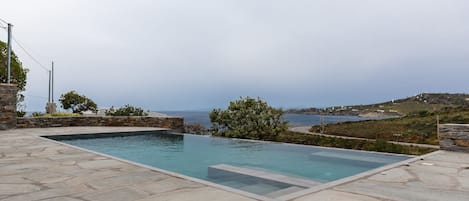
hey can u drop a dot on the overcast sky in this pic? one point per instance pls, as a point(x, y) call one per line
point(200, 54)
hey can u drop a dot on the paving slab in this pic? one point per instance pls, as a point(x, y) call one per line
point(8, 189)
point(120, 194)
point(333, 195)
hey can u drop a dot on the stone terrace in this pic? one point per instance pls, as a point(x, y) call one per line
point(32, 168)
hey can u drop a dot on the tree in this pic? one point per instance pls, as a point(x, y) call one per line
point(248, 118)
point(77, 103)
point(18, 74)
point(127, 110)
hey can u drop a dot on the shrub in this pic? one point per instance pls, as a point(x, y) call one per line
point(57, 114)
point(248, 118)
point(77, 103)
point(20, 113)
point(196, 129)
point(127, 110)
point(379, 145)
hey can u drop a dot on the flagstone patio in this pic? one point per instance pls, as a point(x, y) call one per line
point(34, 168)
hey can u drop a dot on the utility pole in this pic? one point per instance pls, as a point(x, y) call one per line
point(52, 92)
point(48, 95)
point(9, 55)
point(51, 108)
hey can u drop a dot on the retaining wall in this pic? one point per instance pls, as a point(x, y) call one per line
point(174, 123)
point(454, 137)
point(7, 106)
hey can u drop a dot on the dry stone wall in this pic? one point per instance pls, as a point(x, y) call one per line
point(454, 137)
point(7, 106)
point(174, 123)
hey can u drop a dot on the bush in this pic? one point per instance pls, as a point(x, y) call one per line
point(127, 110)
point(57, 114)
point(20, 113)
point(379, 145)
point(248, 118)
point(77, 103)
point(196, 129)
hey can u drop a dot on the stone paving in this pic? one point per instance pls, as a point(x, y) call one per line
point(442, 176)
point(32, 168)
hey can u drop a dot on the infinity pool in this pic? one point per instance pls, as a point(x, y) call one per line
point(263, 168)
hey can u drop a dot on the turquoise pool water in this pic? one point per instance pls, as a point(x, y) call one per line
point(192, 155)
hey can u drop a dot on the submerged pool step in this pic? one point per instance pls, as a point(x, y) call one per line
point(224, 169)
point(284, 191)
point(354, 157)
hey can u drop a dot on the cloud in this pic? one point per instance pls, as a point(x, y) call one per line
point(171, 54)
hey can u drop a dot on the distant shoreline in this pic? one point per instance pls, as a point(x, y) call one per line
point(368, 114)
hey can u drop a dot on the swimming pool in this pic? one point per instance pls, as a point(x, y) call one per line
point(264, 168)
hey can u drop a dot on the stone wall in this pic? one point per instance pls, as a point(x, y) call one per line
point(175, 123)
point(454, 137)
point(7, 106)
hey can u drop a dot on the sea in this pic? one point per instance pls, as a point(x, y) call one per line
point(202, 118)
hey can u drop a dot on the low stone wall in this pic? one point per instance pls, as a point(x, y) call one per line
point(454, 137)
point(174, 123)
point(7, 106)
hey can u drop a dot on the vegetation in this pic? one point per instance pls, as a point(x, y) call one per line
point(417, 127)
point(20, 113)
point(127, 110)
point(77, 103)
point(379, 145)
point(248, 118)
point(18, 75)
point(196, 129)
point(57, 114)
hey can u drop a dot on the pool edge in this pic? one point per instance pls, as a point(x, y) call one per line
point(173, 174)
point(247, 194)
point(353, 177)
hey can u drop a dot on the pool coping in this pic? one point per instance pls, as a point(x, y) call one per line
point(229, 189)
point(354, 177)
point(290, 196)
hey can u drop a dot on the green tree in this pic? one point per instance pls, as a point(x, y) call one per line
point(77, 103)
point(127, 110)
point(248, 118)
point(18, 74)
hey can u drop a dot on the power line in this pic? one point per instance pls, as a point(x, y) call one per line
point(31, 56)
point(3, 21)
point(3, 24)
point(27, 52)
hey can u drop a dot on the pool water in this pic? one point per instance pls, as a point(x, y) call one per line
point(192, 155)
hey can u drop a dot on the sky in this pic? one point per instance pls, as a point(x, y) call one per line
point(197, 55)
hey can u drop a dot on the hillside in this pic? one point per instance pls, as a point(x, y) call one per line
point(428, 102)
point(418, 127)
